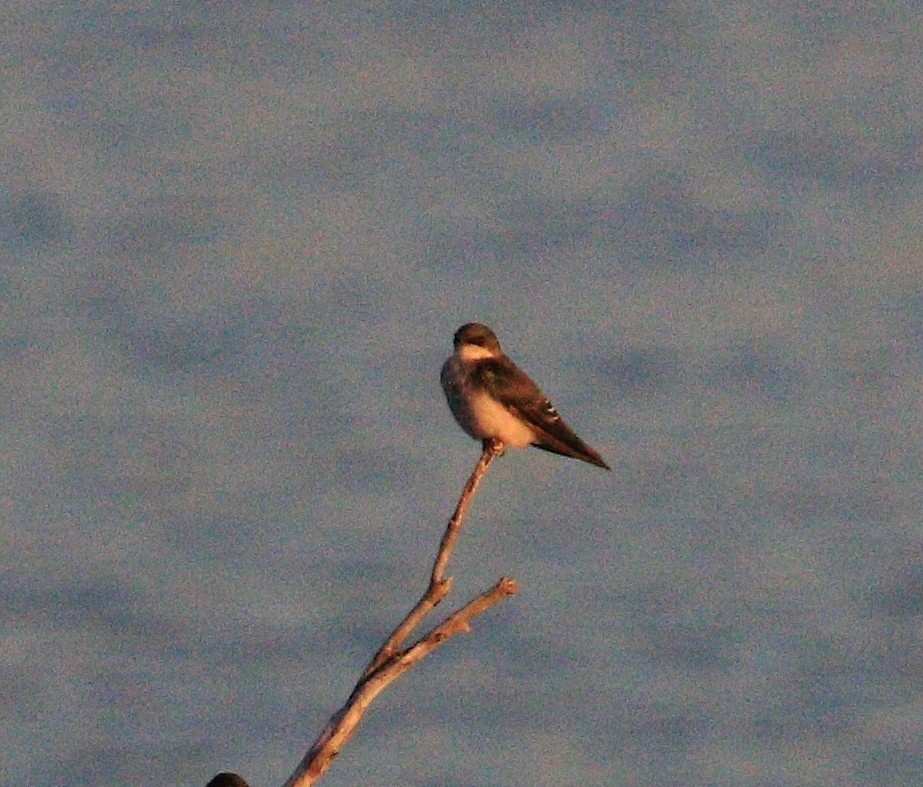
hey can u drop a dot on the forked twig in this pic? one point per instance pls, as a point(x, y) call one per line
point(439, 587)
point(390, 661)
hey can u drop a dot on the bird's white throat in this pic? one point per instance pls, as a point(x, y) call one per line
point(474, 352)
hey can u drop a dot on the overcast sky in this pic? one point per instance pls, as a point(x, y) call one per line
point(235, 242)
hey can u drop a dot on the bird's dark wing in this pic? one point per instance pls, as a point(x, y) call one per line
point(511, 386)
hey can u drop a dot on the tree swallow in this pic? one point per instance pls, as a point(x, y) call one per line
point(492, 398)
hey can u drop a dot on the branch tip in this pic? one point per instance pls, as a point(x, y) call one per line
point(507, 586)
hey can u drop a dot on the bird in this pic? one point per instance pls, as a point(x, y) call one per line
point(227, 779)
point(493, 399)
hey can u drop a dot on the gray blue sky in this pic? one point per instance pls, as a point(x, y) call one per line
point(235, 241)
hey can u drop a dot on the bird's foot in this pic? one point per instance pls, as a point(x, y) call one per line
point(495, 446)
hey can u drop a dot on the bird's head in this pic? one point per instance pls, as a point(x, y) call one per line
point(474, 341)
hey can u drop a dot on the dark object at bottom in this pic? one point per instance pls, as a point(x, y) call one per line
point(227, 780)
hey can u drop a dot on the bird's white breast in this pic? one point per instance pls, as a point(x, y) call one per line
point(478, 413)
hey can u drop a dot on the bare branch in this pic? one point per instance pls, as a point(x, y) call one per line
point(438, 586)
point(390, 661)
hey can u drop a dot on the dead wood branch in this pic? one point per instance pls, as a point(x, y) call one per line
point(391, 660)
